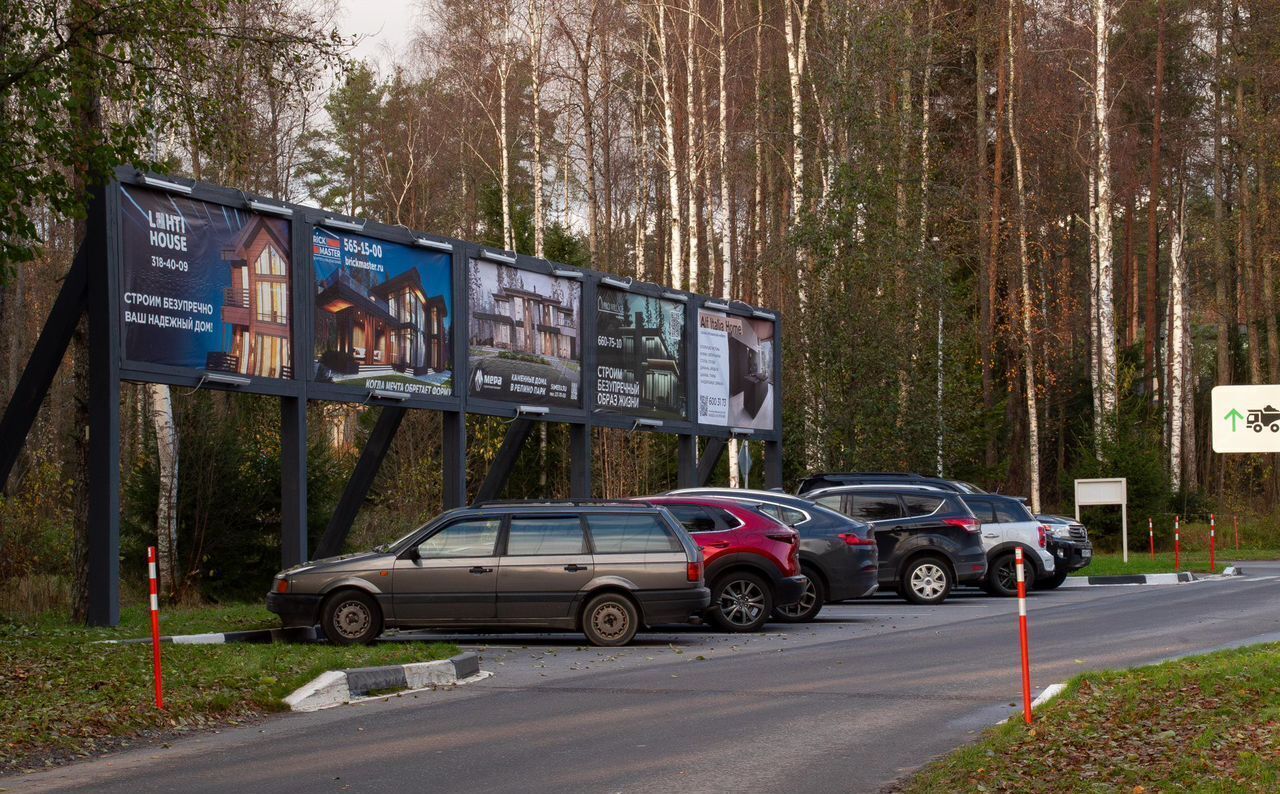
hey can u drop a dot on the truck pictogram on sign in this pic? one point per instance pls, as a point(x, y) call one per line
point(1263, 417)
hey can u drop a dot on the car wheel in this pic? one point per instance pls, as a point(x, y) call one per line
point(809, 605)
point(351, 617)
point(1002, 576)
point(926, 580)
point(610, 620)
point(1054, 580)
point(740, 602)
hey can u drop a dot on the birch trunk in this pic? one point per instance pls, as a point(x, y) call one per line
point(1177, 291)
point(1222, 274)
point(758, 194)
point(535, 66)
point(691, 150)
point(795, 31)
point(167, 502)
point(993, 240)
point(1028, 357)
point(1093, 302)
point(1106, 280)
point(1249, 306)
point(1151, 330)
point(669, 141)
point(508, 234)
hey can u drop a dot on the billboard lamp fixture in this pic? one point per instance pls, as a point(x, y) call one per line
point(164, 184)
point(740, 431)
point(487, 254)
point(224, 379)
point(429, 243)
point(386, 394)
point(533, 410)
point(716, 305)
point(647, 423)
point(575, 274)
point(676, 296)
point(616, 282)
point(274, 209)
point(764, 315)
point(338, 223)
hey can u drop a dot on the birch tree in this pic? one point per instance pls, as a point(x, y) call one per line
point(1177, 333)
point(166, 432)
point(1106, 281)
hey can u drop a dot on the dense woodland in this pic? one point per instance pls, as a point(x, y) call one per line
point(1013, 241)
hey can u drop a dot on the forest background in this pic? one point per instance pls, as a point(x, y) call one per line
point(1014, 241)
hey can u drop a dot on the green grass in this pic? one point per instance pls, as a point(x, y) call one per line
point(1140, 561)
point(63, 696)
point(1208, 723)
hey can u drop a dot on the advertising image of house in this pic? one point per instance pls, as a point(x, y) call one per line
point(392, 326)
point(640, 347)
point(255, 308)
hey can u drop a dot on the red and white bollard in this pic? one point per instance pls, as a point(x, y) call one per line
point(1212, 542)
point(1151, 536)
point(1022, 635)
point(1177, 546)
point(155, 626)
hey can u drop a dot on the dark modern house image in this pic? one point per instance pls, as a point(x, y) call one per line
point(383, 327)
point(255, 308)
point(644, 355)
point(527, 322)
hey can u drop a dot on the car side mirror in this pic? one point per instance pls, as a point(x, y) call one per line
point(414, 554)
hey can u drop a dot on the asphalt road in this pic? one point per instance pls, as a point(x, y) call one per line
point(850, 703)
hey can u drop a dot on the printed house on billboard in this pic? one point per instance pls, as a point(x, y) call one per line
point(644, 355)
point(750, 371)
point(526, 322)
point(386, 327)
point(255, 308)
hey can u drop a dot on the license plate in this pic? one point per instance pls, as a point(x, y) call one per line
point(1086, 553)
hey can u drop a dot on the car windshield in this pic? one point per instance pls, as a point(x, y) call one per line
point(399, 540)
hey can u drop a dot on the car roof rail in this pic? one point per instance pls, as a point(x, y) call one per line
point(571, 502)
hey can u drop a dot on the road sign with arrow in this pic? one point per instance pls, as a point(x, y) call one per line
point(1246, 419)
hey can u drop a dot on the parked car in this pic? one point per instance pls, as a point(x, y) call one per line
point(829, 479)
point(604, 569)
point(929, 541)
point(1007, 524)
point(838, 554)
point(752, 561)
point(1069, 544)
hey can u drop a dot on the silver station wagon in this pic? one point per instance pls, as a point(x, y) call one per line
point(602, 568)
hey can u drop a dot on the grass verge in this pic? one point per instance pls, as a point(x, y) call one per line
point(1112, 564)
point(1206, 723)
point(63, 696)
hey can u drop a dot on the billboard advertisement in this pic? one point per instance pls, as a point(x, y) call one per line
point(735, 371)
point(640, 353)
point(204, 286)
point(384, 314)
point(523, 338)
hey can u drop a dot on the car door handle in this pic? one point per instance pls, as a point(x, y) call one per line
point(719, 544)
point(991, 535)
point(479, 569)
point(574, 568)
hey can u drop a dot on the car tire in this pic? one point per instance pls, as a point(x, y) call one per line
point(1002, 576)
point(809, 605)
point(925, 581)
point(610, 620)
point(351, 617)
point(1054, 580)
point(740, 602)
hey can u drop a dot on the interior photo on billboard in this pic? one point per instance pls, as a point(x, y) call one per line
point(523, 339)
point(640, 348)
point(383, 314)
point(735, 371)
point(204, 286)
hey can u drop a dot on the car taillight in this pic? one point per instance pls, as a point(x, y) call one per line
point(967, 524)
point(783, 537)
point(853, 540)
point(282, 585)
point(1044, 532)
point(695, 571)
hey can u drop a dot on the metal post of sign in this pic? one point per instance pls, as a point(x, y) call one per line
point(508, 454)
point(709, 459)
point(454, 427)
point(773, 464)
point(104, 421)
point(293, 481)
point(362, 477)
point(580, 461)
point(686, 460)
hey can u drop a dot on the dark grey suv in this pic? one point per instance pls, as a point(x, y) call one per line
point(600, 568)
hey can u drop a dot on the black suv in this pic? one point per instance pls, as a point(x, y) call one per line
point(1069, 544)
point(929, 541)
point(831, 479)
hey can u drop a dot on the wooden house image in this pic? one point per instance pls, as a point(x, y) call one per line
point(642, 355)
point(526, 321)
point(391, 326)
point(255, 308)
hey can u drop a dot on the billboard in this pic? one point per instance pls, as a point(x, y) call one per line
point(523, 344)
point(384, 314)
point(735, 371)
point(204, 286)
point(640, 353)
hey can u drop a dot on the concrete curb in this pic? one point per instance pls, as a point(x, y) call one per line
point(257, 636)
point(345, 686)
point(1143, 578)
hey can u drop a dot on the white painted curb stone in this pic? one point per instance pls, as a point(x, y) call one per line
point(327, 689)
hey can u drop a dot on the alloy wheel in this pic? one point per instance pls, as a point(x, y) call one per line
point(351, 619)
point(928, 581)
point(1007, 576)
point(610, 621)
point(741, 602)
point(805, 603)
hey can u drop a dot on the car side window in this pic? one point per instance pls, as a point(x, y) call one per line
point(630, 534)
point(723, 518)
point(921, 505)
point(1010, 512)
point(545, 535)
point(982, 510)
point(874, 507)
point(694, 518)
point(471, 538)
point(833, 502)
point(786, 515)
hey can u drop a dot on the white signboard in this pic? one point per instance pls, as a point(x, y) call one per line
point(713, 369)
point(1246, 419)
point(1107, 491)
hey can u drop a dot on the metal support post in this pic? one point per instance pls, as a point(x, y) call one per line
point(508, 454)
point(580, 461)
point(709, 459)
point(362, 477)
point(455, 458)
point(687, 461)
point(293, 481)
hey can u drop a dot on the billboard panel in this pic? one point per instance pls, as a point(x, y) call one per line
point(735, 371)
point(640, 353)
point(523, 338)
point(204, 286)
point(384, 314)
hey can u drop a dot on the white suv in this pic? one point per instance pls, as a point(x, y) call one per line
point(1006, 525)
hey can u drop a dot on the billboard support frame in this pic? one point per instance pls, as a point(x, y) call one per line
point(362, 477)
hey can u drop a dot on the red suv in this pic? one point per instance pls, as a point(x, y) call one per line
point(752, 561)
